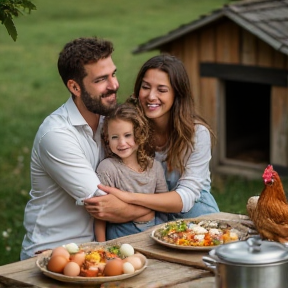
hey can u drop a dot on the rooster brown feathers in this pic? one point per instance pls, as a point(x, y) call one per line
point(269, 212)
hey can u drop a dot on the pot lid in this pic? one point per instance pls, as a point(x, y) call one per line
point(252, 251)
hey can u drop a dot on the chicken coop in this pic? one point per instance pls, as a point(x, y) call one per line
point(237, 61)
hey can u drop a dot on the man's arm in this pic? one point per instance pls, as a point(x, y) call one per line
point(63, 158)
point(112, 209)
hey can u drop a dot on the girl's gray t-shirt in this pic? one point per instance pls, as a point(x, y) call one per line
point(112, 172)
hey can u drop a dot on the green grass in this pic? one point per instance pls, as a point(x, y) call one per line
point(30, 86)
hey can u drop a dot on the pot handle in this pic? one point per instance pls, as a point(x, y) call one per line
point(210, 263)
point(254, 244)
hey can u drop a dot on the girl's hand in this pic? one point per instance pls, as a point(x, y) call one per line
point(122, 195)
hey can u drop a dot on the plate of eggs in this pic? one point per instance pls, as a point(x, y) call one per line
point(91, 262)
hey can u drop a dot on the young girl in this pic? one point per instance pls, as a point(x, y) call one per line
point(129, 166)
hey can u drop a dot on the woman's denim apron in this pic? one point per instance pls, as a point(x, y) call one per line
point(206, 204)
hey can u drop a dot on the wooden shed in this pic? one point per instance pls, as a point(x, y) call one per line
point(237, 60)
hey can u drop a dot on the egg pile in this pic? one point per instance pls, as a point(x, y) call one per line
point(71, 261)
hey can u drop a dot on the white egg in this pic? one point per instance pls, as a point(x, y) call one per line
point(72, 248)
point(128, 268)
point(126, 250)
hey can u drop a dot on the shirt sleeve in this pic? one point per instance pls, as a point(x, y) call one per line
point(196, 176)
point(65, 161)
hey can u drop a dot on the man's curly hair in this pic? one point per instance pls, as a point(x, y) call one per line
point(80, 52)
point(128, 112)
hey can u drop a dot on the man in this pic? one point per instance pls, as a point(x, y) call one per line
point(67, 149)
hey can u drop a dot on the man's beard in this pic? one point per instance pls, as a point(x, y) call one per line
point(95, 105)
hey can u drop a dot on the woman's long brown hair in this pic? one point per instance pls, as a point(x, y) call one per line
point(183, 116)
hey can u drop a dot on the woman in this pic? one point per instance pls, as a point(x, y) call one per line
point(181, 137)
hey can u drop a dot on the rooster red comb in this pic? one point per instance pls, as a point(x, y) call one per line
point(268, 175)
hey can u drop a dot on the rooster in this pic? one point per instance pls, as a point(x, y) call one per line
point(269, 211)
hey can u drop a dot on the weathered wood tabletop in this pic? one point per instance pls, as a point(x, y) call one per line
point(167, 267)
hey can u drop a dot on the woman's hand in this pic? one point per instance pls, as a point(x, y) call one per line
point(122, 195)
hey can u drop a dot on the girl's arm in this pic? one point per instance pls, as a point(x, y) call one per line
point(100, 230)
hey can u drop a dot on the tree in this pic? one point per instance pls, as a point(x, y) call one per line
point(13, 8)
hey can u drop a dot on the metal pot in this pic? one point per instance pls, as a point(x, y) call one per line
point(249, 264)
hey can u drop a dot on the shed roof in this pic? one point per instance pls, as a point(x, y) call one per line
point(266, 19)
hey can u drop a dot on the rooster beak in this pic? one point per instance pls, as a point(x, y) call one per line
point(268, 182)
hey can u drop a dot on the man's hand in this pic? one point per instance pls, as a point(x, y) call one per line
point(108, 208)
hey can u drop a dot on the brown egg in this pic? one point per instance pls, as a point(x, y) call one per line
point(57, 263)
point(142, 257)
point(71, 269)
point(61, 251)
point(78, 257)
point(135, 261)
point(113, 267)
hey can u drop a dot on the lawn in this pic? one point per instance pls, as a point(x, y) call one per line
point(30, 86)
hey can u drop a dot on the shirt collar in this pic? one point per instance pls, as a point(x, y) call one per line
point(74, 115)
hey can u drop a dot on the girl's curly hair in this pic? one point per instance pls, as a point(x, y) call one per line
point(130, 113)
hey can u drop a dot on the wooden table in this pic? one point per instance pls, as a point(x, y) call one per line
point(167, 267)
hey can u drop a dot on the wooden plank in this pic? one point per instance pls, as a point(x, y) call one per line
point(280, 60)
point(264, 54)
point(219, 154)
point(207, 282)
point(7, 282)
point(25, 265)
point(192, 64)
point(177, 48)
point(207, 45)
point(248, 48)
point(254, 74)
point(279, 126)
point(227, 42)
point(207, 103)
point(209, 87)
point(169, 274)
point(185, 257)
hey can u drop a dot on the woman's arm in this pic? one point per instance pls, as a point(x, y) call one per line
point(196, 176)
point(163, 202)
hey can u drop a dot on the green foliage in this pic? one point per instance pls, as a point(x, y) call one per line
point(10, 9)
